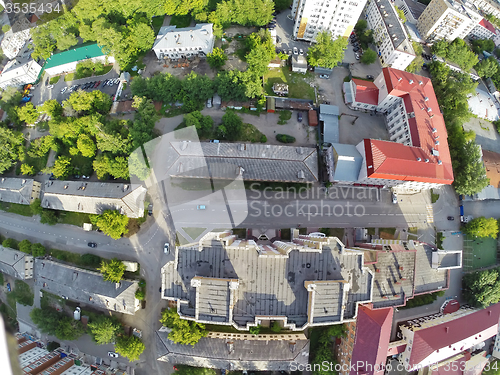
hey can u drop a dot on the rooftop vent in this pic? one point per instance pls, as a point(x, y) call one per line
point(419, 159)
point(437, 143)
point(440, 162)
point(242, 147)
point(301, 175)
point(434, 130)
point(426, 160)
point(125, 187)
point(400, 79)
point(65, 186)
point(411, 81)
point(420, 83)
point(390, 25)
point(300, 150)
point(435, 152)
point(429, 109)
point(426, 99)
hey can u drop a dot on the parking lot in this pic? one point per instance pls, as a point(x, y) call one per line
point(42, 92)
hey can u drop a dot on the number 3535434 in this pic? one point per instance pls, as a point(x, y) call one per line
point(33, 8)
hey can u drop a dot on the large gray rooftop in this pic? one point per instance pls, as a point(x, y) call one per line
point(169, 37)
point(347, 162)
point(305, 282)
point(16, 190)
point(94, 197)
point(329, 115)
point(393, 26)
point(85, 286)
point(255, 162)
point(250, 355)
point(13, 263)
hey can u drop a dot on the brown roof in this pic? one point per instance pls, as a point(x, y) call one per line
point(492, 164)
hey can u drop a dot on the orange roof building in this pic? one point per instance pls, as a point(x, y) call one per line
point(417, 155)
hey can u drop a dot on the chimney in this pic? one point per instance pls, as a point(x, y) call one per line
point(411, 81)
point(426, 99)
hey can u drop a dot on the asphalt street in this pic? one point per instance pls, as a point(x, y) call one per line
point(489, 208)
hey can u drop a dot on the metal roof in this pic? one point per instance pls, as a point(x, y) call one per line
point(12, 262)
point(347, 161)
point(329, 115)
point(81, 52)
point(86, 286)
point(94, 197)
point(200, 35)
point(16, 190)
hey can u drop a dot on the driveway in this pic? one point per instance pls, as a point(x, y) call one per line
point(284, 31)
point(486, 134)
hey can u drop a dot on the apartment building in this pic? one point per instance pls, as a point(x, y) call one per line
point(314, 16)
point(488, 6)
point(19, 190)
point(417, 156)
point(175, 43)
point(484, 30)
point(16, 38)
point(394, 47)
point(18, 73)
point(447, 19)
point(16, 263)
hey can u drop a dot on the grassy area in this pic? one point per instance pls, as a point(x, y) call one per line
point(22, 293)
point(135, 224)
point(314, 335)
point(73, 218)
point(333, 232)
point(298, 87)
point(20, 209)
point(54, 80)
point(434, 197)
point(413, 230)
point(284, 117)
point(387, 233)
point(240, 232)
point(107, 69)
point(285, 234)
point(181, 21)
point(371, 231)
point(194, 232)
point(157, 22)
point(479, 253)
point(69, 77)
point(37, 163)
point(425, 299)
point(492, 368)
point(439, 240)
point(251, 134)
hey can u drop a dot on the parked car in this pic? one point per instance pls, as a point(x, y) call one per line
point(209, 103)
point(295, 51)
point(63, 90)
point(271, 26)
point(214, 141)
point(150, 209)
point(324, 76)
point(200, 207)
point(113, 354)
point(369, 76)
point(97, 84)
point(8, 288)
point(299, 116)
point(451, 218)
point(301, 52)
point(394, 198)
point(166, 248)
point(289, 52)
point(92, 244)
point(50, 86)
point(357, 57)
point(105, 83)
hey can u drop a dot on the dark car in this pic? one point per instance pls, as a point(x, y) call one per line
point(451, 218)
point(92, 244)
point(8, 287)
point(52, 176)
point(356, 49)
point(369, 77)
point(299, 116)
point(97, 84)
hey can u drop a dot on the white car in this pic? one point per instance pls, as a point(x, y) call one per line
point(394, 198)
point(63, 90)
point(301, 52)
point(295, 51)
point(50, 86)
point(113, 355)
point(166, 248)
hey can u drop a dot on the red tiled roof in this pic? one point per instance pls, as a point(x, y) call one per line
point(487, 25)
point(373, 332)
point(426, 341)
point(427, 131)
point(366, 92)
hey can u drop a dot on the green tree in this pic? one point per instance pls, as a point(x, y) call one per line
point(418, 61)
point(28, 113)
point(38, 250)
point(25, 246)
point(90, 260)
point(36, 206)
point(10, 243)
point(52, 322)
point(233, 126)
point(230, 85)
point(459, 52)
point(183, 7)
point(480, 45)
point(112, 270)
point(281, 5)
point(27, 169)
point(188, 370)
point(400, 13)
point(369, 56)
point(440, 48)
point(48, 217)
point(183, 332)
point(217, 58)
point(481, 288)
point(130, 347)
point(482, 227)
point(326, 52)
point(104, 329)
point(62, 167)
point(487, 68)
point(86, 146)
point(5, 28)
point(140, 295)
point(469, 173)
point(10, 143)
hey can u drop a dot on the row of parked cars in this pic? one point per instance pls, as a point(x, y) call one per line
point(92, 85)
point(356, 46)
point(289, 52)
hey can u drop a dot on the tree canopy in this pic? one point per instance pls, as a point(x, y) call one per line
point(130, 347)
point(231, 126)
point(480, 45)
point(482, 227)
point(185, 332)
point(217, 58)
point(111, 222)
point(326, 52)
point(369, 56)
point(104, 329)
point(49, 321)
point(112, 270)
point(188, 370)
point(482, 288)
point(457, 51)
point(487, 68)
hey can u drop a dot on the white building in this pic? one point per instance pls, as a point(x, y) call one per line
point(394, 47)
point(488, 7)
point(17, 73)
point(336, 16)
point(484, 30)
point(16, 38)
point(176, 43)
point(447, 19)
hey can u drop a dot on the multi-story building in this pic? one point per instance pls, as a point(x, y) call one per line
point(16, 38)
point(437, 337)
point(224, 280)
point(19, 190)
point(18, 73)
point(488, 6)
point(417, 156)
point(313, 16)
point(484, 30)
point(174, 43)
point(16, 263)
point(394, 47)
point(447, 19)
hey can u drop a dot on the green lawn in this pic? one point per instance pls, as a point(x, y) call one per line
point(298, 86)
point(479, 253)
point(107, 69)
point(20, 209)
point(434, 197)
point(251, 134)
point(156, 23)
point(181, 21)
point(73, 218)
point(54, 80)
point(22, 294)
point(371, 231)
point(333, 232)
point(69, 77)
point(492, 368)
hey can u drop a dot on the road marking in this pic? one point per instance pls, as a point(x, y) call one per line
point(430, 213)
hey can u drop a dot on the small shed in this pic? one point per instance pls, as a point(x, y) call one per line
point(274, 63)
point(313, 117)
point(271, 104)
point(299, 64)
point(280, 88)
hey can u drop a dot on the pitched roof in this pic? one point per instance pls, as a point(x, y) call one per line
point(373, 332)
point(492, 164)
point(16, 190)
point(487, 25)
point(94, 197)
point(12, 262)
point(366, 92)
point(78, 53)
point(86, 286)
point(428, 340)
point(200, 35)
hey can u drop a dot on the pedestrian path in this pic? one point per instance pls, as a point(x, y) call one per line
point(430, 213)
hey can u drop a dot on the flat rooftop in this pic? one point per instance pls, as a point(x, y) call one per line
point(393, 26)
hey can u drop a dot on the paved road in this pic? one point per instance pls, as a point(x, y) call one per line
point(488, 208)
